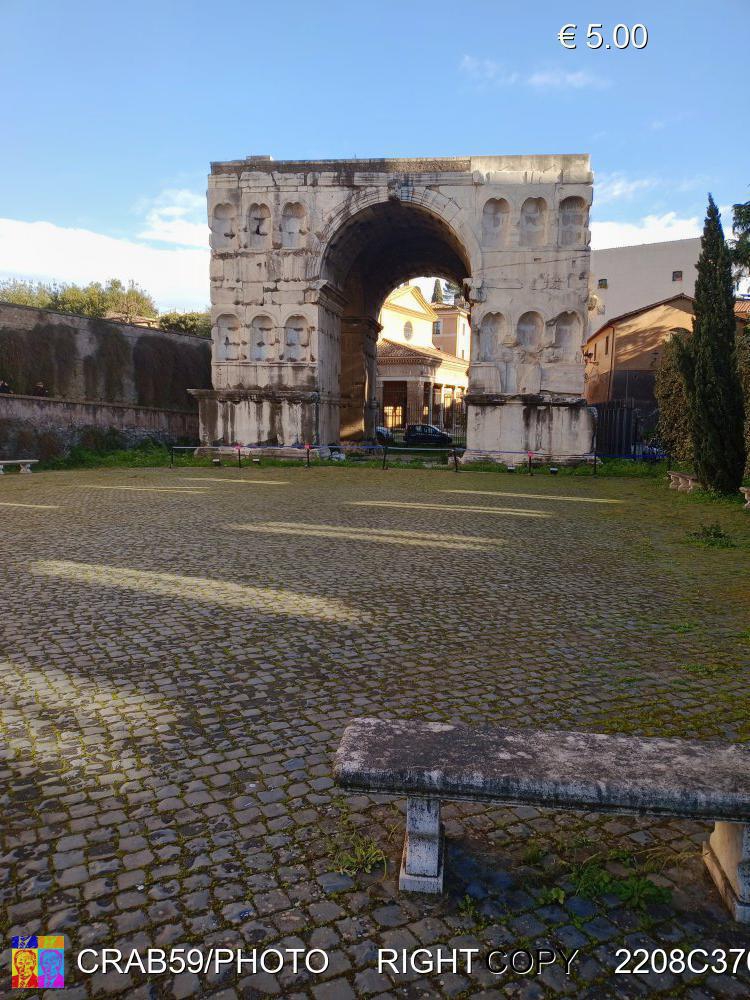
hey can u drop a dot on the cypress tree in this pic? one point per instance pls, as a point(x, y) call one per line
point(708, 362)
point(437, 291)
point(739, 247)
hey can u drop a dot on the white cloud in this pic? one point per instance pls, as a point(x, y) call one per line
point(485, 71)
point(650, 229)
point(488, 72)
point(177, 215)
point(556, 79)
point(176, 277)
point(617, 186)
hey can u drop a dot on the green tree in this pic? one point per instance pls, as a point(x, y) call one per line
point(740, 245)
point(93, 300)
point(128, 301)
point(452, 290)
point(83, 301)
point(743, 363)
point(708, 362)
point(437, 291)
point(673, 429)
point(198, 323)
point(26, 293)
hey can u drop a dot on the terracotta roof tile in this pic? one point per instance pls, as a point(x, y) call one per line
point(391, 350)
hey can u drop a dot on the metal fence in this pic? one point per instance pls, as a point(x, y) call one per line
point(618, 429)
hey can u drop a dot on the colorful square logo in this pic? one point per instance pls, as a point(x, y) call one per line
point(38, 962)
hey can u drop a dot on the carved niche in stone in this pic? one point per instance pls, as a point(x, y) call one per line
point(573, 221)
point(263, 339)
point(493, 331)
point(293, 226)
point(227, 337)
point(495, 222)
point(223, 226)
point(530, 332)
point(568, 333)
point(533, 225)
point(296, 339)
point(258, 227)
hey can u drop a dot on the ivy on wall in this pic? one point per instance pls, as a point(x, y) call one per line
point(159, 367)
point(165, 369)
point(104, 371)
point(46, 353)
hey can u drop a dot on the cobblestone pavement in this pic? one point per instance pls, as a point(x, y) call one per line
point(182, 649)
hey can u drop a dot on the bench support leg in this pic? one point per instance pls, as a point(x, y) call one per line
point(422, 860)
point(727, 857)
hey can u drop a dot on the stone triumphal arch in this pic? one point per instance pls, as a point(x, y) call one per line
point(303, 253)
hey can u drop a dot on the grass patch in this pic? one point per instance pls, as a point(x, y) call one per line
point(552, 895)
point(682, 627)
point(359, 854)
point(352, 852)
point(607, 467)
point(533, 853)
point(704, 669)
point(711, 536)
point(470, 911)
point(148, 454)
point(591, 880)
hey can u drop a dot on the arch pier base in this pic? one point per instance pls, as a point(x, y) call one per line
point(258, 417)
point(505, 429)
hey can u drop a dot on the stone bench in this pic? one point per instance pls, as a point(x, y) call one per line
point(591, 772)
point(745, 491)
point(683, 481)
point(25, 464)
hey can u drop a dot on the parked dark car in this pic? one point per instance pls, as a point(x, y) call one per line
point(426, 434)
point(384, 436)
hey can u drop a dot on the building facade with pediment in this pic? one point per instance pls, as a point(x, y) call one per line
point(417, 381)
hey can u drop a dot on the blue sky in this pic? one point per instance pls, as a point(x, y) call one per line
point(113, 112)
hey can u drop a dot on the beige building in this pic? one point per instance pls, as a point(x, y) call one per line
point(416, 381)
point(622, 355)
point(452, 330)
point(627, 278)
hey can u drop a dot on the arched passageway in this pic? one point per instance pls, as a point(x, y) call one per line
point(376, 249)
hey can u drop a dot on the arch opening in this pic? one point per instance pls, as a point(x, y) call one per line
point(374, 251)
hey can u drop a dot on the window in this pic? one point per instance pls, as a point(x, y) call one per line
point(437, 328)
point(408, 330)
point(606, 344)
point(602, 283)
point(595, 347)
point(676, 275)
